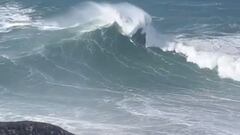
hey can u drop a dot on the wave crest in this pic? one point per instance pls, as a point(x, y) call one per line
point(128, 17)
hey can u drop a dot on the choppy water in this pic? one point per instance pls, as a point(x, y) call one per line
point(126, 68)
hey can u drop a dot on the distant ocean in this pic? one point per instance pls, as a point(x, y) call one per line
point(136, 67)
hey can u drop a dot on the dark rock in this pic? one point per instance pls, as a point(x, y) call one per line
point(30, 128)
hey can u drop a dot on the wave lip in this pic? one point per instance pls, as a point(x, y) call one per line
point(129, 17)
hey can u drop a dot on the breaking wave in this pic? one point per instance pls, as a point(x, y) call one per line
point(219, 52)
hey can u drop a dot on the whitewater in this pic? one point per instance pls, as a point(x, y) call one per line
point(149, 67)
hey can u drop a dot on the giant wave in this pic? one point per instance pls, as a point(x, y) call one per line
point(220, 53)
point(103, 68)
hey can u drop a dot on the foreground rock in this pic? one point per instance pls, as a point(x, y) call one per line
point(30, 128)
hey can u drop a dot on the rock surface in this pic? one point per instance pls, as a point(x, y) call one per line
point(30, 128)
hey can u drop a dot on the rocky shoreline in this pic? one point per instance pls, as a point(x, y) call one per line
point(31, 128)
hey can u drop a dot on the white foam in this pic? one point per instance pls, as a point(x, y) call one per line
point(220, 53)
point(129, 17)
point(13, 15)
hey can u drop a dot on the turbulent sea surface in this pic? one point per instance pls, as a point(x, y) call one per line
point(136, 67)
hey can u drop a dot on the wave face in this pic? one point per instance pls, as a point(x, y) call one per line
point(114, 68)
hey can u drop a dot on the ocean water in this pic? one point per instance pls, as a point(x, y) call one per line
point(149, 67)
